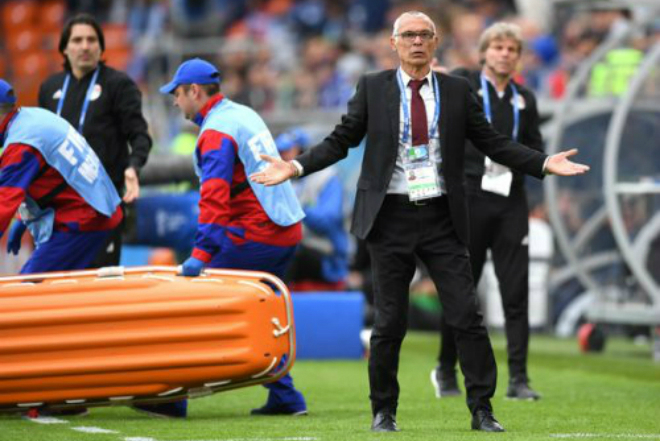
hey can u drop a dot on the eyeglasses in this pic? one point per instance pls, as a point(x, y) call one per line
point(410, 36)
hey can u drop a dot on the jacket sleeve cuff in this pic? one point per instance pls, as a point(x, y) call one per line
point(299, 168)
point(201, 255)
point(136, 164)
point(545, 166)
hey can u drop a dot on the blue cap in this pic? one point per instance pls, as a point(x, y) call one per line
point(195, 71)
point(292, 138)
point(5, 96)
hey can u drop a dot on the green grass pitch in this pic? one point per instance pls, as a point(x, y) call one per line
point(613, 395)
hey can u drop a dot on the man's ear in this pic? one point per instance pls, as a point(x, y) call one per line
point(194, 88)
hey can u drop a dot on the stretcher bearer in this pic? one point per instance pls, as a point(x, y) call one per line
point(52, 177)
point(241, 225)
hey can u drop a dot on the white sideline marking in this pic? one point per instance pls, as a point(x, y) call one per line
point(47, 420)
point(139, 438)
point(90, 429)
point(607, 435)
point(287, 438)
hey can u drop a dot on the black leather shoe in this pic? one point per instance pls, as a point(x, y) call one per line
point(384, 422)
point(444, 384)
point(520, 390)
point(485, 421)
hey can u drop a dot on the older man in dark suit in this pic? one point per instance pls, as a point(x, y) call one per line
point(411, 203)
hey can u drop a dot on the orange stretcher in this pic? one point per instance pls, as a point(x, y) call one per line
point(139, 335)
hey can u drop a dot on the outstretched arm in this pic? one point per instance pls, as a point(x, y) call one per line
point(559, 164)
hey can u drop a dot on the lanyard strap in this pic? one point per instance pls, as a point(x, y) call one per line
point(406, 110)
point(88, 96)
point(485, 95)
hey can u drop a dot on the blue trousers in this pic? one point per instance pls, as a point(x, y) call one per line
point(275, 260)
point(66, 251)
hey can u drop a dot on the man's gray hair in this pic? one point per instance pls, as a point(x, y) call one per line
point(500, 31)
point(397, 22)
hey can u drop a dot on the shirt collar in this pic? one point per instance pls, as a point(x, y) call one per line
point(84, 77)
point(210, 104)
point(4, 125)
point(406, 78)
point(492, 84)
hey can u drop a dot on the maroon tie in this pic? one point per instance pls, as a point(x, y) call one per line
point(420, 130)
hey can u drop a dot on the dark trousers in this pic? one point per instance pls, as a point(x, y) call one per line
point(110, 253)
point(500, 224)
point(306, 265)
point(401, 233)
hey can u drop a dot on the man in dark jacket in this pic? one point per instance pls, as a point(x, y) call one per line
point(105, 106)
point(416, 123)
point(497, 204)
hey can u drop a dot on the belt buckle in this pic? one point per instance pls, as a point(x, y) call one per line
point(420, 202)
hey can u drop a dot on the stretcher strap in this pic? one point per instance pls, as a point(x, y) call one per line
point(280, 330)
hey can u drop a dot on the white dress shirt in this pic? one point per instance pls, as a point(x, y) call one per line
point(398, 183)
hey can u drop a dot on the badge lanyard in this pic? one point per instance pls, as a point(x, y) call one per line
point(485, 95)
point(88, 96)
point(406, 109)
point(497, 178)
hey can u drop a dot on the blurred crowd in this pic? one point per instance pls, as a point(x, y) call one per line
point(307, 54)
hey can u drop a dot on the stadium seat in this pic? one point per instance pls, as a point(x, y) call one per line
point(118, 52)
point(51, 16)
point(119, 58)
point(27, 39)
point(29, 70)
point(31, 64)
point(18, 15)
point(51, 40)
point(116, 37)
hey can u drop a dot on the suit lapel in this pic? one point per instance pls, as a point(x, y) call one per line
point(393, 96)
point(444, 101)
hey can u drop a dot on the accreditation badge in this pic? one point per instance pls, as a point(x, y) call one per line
point(421, 173)
point(497, 178)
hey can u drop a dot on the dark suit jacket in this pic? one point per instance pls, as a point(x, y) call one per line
point(374, 111)
point(502, 111)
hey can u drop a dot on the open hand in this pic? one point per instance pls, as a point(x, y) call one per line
point(559, 164)
point(132, 185)
point(277, 171)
